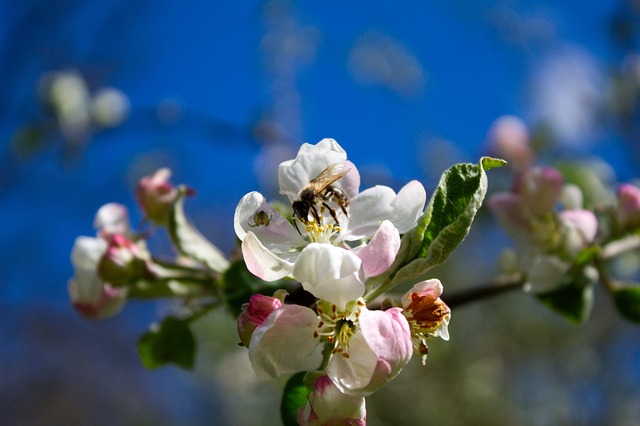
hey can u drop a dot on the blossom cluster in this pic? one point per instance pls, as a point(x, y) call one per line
point(547, 218)
point(108, 265)
point(351, 348)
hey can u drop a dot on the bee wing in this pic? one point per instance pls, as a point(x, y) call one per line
point(328, 176)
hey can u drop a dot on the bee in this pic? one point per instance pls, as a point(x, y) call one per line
point(261, 218)
point(319, 192)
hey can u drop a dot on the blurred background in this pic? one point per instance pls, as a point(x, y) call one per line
point(96, 94)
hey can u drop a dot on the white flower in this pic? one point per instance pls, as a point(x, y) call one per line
point(368, 348)
point(271, 245)
point(90, 295)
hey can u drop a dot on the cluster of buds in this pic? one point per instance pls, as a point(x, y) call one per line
point(106, 263)
point(349, 237)
point(116, 262)
point(549, 239)
point(546, 217)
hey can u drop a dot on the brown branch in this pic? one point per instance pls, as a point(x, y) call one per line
point(479, 293)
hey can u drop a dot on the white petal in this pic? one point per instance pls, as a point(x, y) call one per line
point(330, 273)
point(372, 206)
point(262, 262)
point(86, 252)
point(293, 175)
point(112, 218)
point(277, 233)
point(331, 405)
point(285, 343)
point(381, 251)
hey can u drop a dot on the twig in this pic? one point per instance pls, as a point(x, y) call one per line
point(479, 293)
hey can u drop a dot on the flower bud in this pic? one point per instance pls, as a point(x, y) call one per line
point(540, 188)
point(123, 261)
point(90, 295)
point(155, 195)
point(580, 229)
point(328, 406)
point(254, 314)
point(111, 219)
point(628, 208)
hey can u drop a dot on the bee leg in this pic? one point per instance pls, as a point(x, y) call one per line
point(332, 212)
point(296, 225)
point(316, 216)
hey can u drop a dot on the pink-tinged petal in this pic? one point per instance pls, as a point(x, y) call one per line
point(262, 262)
point(381, 251)
point(293, 175)
point(584, 221)
point(377, 353)
point(330, 273)
point(628, 208)
point(254, 214)
point(112, 218)
point(286, 343)
point(372, 206)
point(109, 303)
point(581, 227)
point(328, 406)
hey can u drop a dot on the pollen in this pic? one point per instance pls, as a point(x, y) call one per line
point(320, 233)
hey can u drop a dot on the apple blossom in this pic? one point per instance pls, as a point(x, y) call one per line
point(367, 348)
point(272, 247)
point(427, 314)
point(90, 294)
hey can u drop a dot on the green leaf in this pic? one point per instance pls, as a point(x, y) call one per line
point(573, 301)
point(189, 241)
point(294, 396)
point(444, 225)
point(627, 300)
point(453, 207)
point(168, 342)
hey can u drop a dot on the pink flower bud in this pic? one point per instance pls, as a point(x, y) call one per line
point(155, 194)
point(580, 229)
point(123, 261)
point(628, 209)
point(328, 406)
point(254, 314)
point(540, 189)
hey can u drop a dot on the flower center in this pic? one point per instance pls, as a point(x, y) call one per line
point(337, 327)
point(319, 233)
